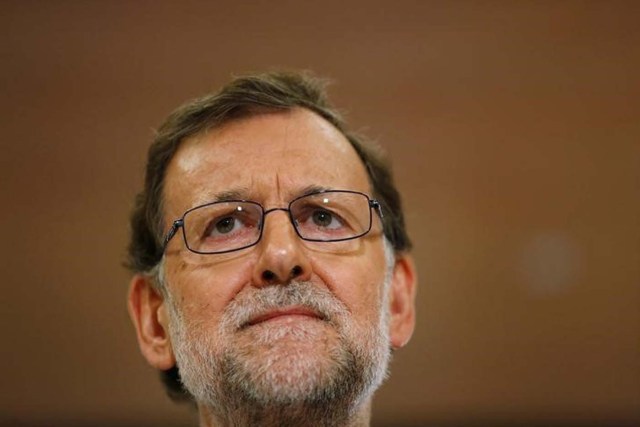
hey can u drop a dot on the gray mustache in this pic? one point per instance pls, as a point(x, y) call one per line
point(300, 294)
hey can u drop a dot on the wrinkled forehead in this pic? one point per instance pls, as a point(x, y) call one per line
point(269, 158)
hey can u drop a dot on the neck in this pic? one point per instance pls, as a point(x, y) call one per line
point(286, 417)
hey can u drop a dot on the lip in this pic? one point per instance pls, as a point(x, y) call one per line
point(284, 312)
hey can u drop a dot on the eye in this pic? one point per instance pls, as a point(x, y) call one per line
point(232, 223)
point(222, 226)
point(225, 225)
point(325, 219)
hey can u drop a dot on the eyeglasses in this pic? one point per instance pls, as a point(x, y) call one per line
point(232, 225)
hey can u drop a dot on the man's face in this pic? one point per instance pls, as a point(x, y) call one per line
point(285, 316)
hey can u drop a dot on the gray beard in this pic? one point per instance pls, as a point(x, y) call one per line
point(317, 373)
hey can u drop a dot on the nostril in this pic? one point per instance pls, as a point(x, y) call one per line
point(296, 271)
point(268, 275)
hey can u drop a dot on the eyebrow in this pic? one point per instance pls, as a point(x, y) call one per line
point(233, 194)
point(310, 189)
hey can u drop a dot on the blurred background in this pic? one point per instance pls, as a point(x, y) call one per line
point(515, 134)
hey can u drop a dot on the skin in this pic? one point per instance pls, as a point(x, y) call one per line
point(269, 158)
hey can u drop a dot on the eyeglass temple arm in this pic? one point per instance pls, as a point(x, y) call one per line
point(172, 232)
point(376, 205)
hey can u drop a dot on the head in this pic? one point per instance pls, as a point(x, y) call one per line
point(291, 325)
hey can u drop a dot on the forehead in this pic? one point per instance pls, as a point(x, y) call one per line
point(270, 158)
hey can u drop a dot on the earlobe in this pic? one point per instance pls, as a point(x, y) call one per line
point(149, 317)
point(402, 300)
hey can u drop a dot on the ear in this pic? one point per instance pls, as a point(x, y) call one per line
point(402, 300)
point(149, 315)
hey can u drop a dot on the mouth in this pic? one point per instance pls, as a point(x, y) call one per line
point(285, 314)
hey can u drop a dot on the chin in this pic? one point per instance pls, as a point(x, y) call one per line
point(292, 361)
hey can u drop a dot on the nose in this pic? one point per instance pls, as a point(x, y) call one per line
point(282, 258)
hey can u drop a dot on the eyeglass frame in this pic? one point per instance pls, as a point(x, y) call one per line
point(179, 223)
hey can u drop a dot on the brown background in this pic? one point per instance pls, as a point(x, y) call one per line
point(514, 131)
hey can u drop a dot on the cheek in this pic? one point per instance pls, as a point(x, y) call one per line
point(356, 281)
point(203, 290)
